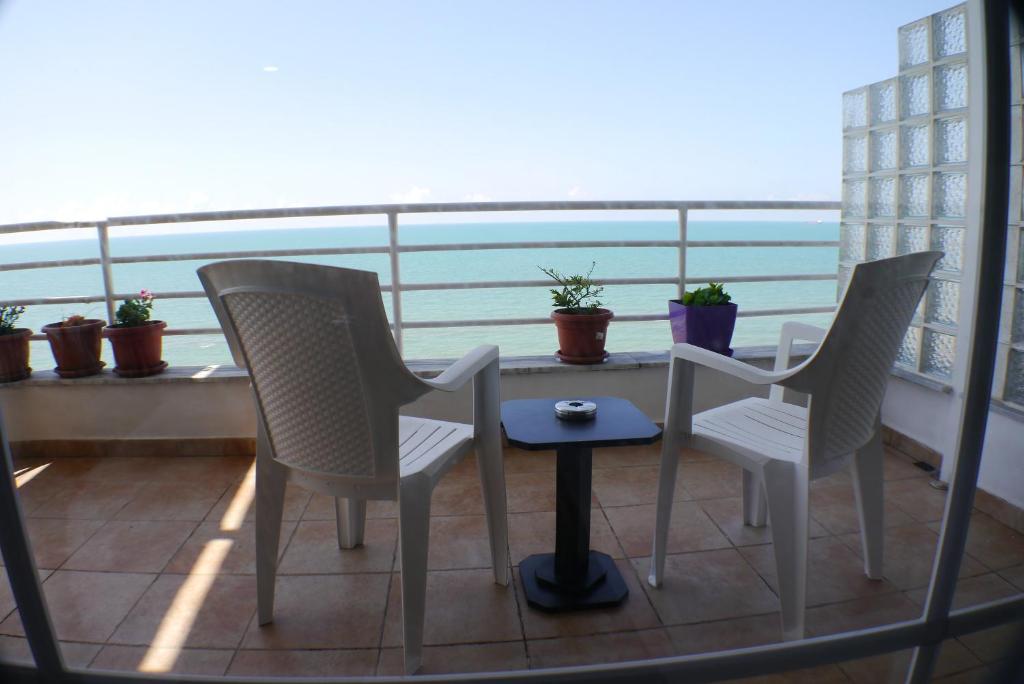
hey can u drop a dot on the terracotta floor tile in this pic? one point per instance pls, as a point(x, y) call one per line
point(458, 496)
point(40, 486)
point(908, 555)
point(835, 508)
point(632, 486)
point(991, 542)
point(710, 479)
point(498, 657)
point(173, 501)
point(321, 507)
point(860, 613)
point(323, 611)
point(123, 468)
point(522, 461)
point(707, 585)
point(55, 539)
point(1014, 576)
point(197, 611)
point(826, 674)
point(971, 591)
point(200, 553)
point(635, 613)
point(131, 546)
point(333, 663)
point(7, 602)
point(458, 542)
point(896, 466)
point(86, 606)
point(530, 533)
point(620, 457)
point(728, 516)
point(997, 643)
point(834, 572)
point(92, 499)
point(225, 470)
point(463, 606)
point(600, 648)
point(15, 650)
point(241, 494)
point(986, 674)
point(314, 549)
point(528, 492)
point(915, 496)
point(721, 635)
point(690, 529)
point(179, 661)
point(892, 667)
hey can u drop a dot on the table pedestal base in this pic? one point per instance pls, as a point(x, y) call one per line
point(603, 586)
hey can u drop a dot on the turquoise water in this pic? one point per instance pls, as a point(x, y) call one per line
point(480, 265)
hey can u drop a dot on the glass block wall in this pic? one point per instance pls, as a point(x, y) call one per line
point(1010, 371)
point(905, 177)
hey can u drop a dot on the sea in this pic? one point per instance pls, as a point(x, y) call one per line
point(471, 266)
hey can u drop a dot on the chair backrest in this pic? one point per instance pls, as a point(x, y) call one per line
point(325, 371)
point(847, 375)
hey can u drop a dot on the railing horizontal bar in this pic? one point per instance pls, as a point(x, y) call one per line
point(762, 243)
point(540, 244)
point(461, 207)
point(193, 331)
point(483, 285)
point(250, 254)
point(29, 265)
point(488, 284)
point(34, 226)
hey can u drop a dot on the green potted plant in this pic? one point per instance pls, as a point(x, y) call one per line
point(581, 323)
point(13, 345)
point(137, 341)
point(76, 343)
point(704, 318)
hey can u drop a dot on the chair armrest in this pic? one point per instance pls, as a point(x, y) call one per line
point(726, 364)
point(463, 370)
point(792, 331)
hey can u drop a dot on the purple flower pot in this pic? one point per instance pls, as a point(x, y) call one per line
point(709, 327)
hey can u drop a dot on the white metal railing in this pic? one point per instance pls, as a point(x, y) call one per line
point(394, 249)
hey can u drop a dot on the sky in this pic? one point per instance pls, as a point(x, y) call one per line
point(116, 108)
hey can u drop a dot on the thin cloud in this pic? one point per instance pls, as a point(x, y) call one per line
point(411, 196)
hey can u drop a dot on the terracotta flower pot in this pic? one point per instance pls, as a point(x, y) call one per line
point(137, 350)
point(14, 355)
point(710, 327)
point(76, 348)
point(581, 337)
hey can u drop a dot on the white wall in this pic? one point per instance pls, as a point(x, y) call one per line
point(931, 417)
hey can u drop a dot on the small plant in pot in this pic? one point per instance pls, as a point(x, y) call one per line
point(13, 345)
point(137, 341)
point(581, 323)
point(704, 318)
point(76, 343)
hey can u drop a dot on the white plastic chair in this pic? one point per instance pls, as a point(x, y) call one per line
point(328, 383)
point(782, 447)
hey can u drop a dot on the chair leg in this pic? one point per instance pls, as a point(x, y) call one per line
point(755, 508)
point(351, 517)
point(868, 483)
point(666, 492)
point(414, 532)
point(786, 488)
point(490, 463)
point(492, 480)
point(270, 486)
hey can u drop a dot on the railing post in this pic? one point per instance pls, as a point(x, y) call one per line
point(396, 279)
point(682, 252)
point(108, 275)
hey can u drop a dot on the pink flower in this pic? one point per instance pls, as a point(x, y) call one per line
point(146, 294)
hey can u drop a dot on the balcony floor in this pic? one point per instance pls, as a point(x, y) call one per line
point(148, 564)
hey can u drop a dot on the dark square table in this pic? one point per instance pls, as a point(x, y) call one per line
point(574, 576)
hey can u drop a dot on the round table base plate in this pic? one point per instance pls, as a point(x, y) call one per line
point(537, 570)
